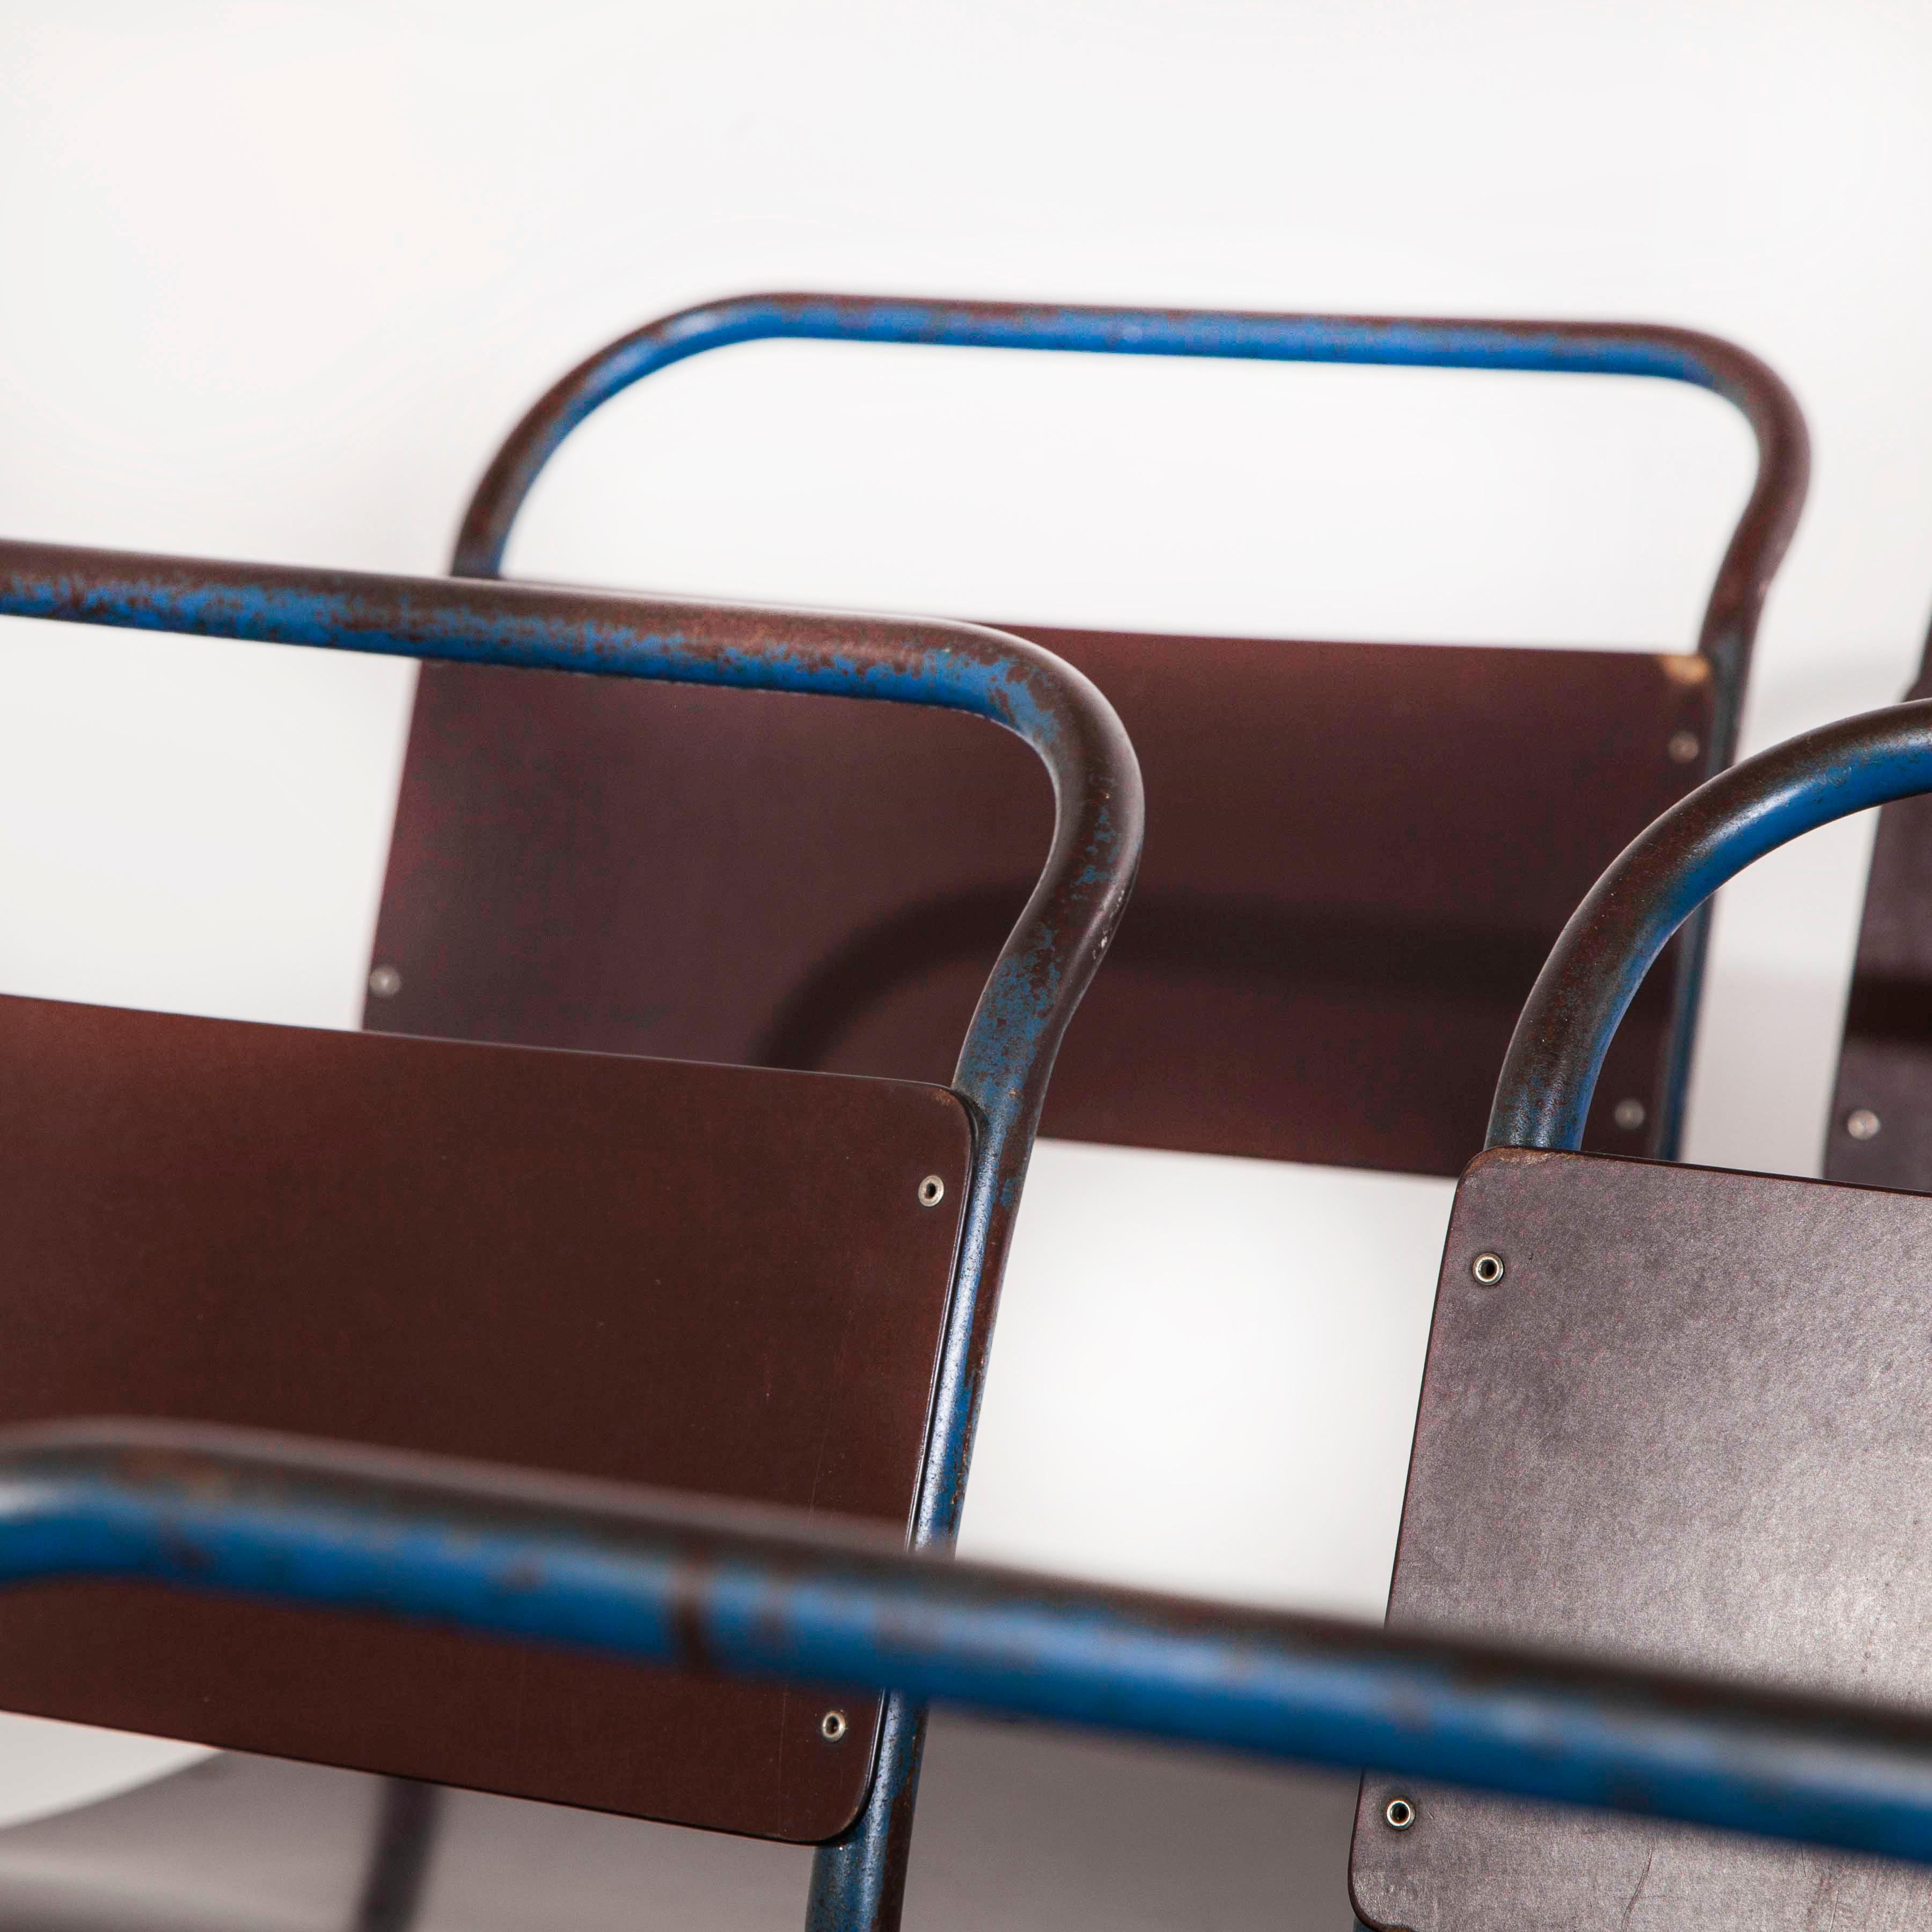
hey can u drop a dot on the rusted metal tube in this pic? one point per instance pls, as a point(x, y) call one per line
point(1725, 639)
point(1644, 350)
point(1661, 877)
point(1048, 960)
point(666, 1581)
point(1041, 973)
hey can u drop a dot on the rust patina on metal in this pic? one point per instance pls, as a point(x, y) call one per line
point(1043, 970)
point(1324, 966)
point(666, 1581)
point(1709, 362)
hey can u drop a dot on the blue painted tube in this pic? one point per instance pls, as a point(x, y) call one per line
point(856, 1887)
point(1047, 963)
point(663, 1581)
point(1664, 876)
point(1043, 971)
point(1579, 348)
point(1725, 638)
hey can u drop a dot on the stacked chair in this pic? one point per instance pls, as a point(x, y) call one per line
point(1673, 1415)
point(1324, 964)
point(772, 1279)
point(1689, 1499)
point(771, 1286)
point(1341, 909)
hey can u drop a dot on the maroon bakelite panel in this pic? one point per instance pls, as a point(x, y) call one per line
point(1358, 856)
point(706, 1278)
point(1688, 1429)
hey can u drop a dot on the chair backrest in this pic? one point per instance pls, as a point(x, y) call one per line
point(776, 1287)
point(1880, 1133)
point(1360, 852)
point(1671, 1415)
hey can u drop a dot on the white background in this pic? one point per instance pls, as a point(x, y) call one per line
point(277, 277)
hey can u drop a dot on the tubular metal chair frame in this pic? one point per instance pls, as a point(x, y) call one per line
point(1726, 635)
point(1007, 1056)
point(662, 1580)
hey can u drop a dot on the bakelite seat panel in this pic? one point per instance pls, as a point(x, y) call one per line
point(1358, 856)
point(1688, 1428)
point(706, 1278)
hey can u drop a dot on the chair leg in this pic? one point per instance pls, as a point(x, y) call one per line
point(406, 1816)
point(858, 1881)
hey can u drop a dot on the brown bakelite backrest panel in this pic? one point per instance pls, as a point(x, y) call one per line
point(1885, 1064)
point(1358, 856)
point(708, 1278)
point(1690, 1428)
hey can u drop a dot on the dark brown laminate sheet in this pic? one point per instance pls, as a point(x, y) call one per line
point(1689, 1428)
point(711, 1279)
point(1358, 856)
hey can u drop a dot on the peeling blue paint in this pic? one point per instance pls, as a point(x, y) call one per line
point(448, 625)
point(774, 1595)
point(1618, 349)
point(1666, 355)
point(1041, 972)
point(1629, 349)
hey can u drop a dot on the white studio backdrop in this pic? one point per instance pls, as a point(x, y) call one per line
point(280, 275)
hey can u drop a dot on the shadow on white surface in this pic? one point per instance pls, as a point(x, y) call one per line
point(46, 1767)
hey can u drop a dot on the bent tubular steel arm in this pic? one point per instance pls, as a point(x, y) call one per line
point(1041, 972)
point(1661, 877)
point(1605, 349)
point(668, 1581)
point(1048, 960)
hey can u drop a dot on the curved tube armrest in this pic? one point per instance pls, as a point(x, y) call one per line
point(668, 1581)
point(1048, 960)
point(1661, 877)
point(1608, 348)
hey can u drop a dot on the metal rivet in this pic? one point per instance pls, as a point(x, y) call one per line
point(1862, 1124)
point(1399, 1813)
point(1684, 747)
point(1487, 1268)
point(1629, 1115)
point(931, 1191)
point(385, 982)
point(832, 1726)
